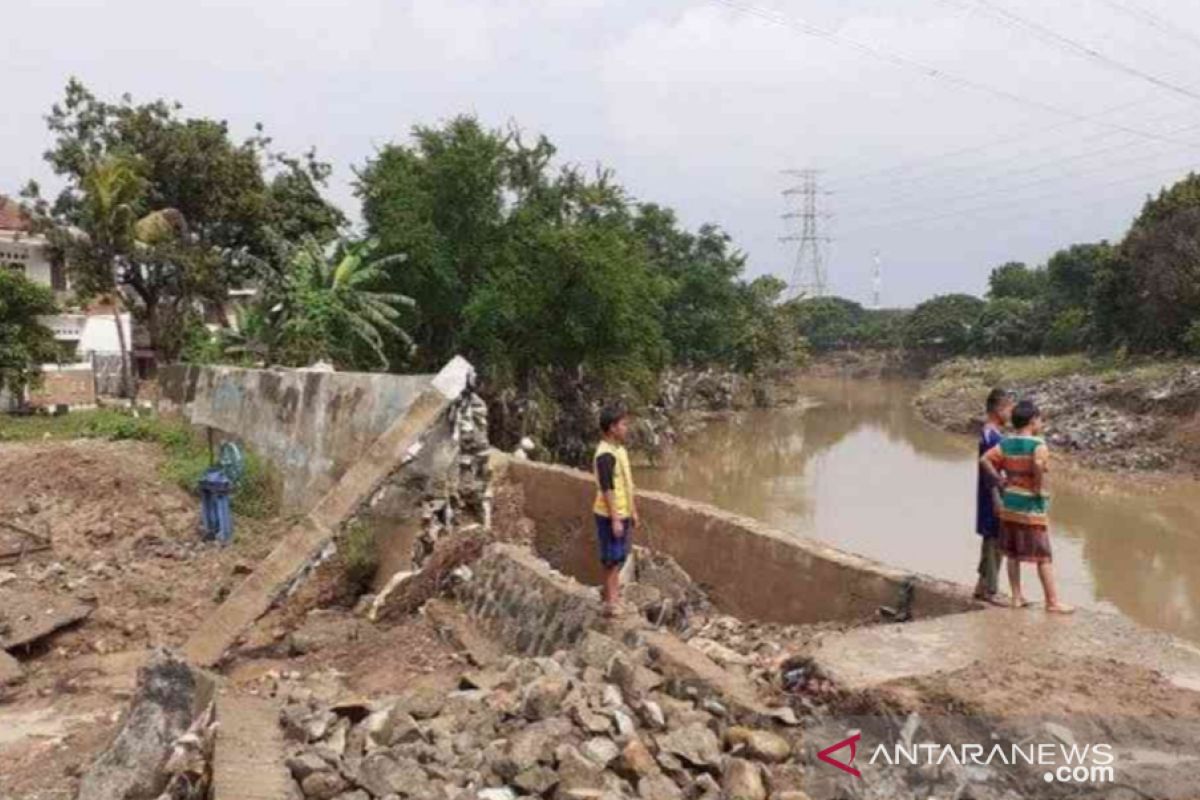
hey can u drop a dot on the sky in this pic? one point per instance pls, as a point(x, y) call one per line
point(951, 135)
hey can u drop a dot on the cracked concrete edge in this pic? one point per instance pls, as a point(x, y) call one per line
point(454, 378)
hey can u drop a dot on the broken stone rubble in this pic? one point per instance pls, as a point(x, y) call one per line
point(554, 727)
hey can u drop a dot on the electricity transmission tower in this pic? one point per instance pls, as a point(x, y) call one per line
point(877, 282)
point(805, 214)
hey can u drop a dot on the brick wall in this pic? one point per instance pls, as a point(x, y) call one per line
point(71, 386)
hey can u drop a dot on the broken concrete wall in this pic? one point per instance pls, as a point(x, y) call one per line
point(311, 426)
point(313, 535)
point(524, 604)
point(170, 695)
point(445, 484)
point(749, 569)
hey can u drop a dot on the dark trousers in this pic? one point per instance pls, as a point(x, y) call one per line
point(989, 563)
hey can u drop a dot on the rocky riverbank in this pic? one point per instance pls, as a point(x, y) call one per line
point(1142, 416)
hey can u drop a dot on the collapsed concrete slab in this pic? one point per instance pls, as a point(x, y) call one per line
point(303, 544)
point(170, 695)
point(866, 658)
point(29, 615)
point(249, 755)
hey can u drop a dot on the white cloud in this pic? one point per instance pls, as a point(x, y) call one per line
point(696, 106)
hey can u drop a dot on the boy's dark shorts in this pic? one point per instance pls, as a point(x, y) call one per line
point(613, 550)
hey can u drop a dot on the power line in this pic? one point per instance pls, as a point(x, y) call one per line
point(963, 212)
point(1068, 44)
point(885, 171)
point(926, 70)
point(869, 180)
point(1024, 184)
point(1154, 21)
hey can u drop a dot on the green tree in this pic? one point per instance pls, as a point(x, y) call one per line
point(1007, 326)
point(446, 200)
point(1068, 332)
point(768, 338)
point(1147, 295)
point(1016, 280)
point(24, 341)
point(320, 304)
point(109, 204)
point(944, 324)
point(827, 323)
point(218, 203)
point(708, 304)
point(1071, 274)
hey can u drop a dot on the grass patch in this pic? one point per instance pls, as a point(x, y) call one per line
point(360, 555)
point(185, 450)
point(1025, 370)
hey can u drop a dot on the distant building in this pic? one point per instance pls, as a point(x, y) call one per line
point(26, 253)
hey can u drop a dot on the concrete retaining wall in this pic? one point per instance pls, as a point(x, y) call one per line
point(525, 605)
point(310, 425)
point(749, 569)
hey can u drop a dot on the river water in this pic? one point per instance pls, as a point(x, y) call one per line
point(860, 470)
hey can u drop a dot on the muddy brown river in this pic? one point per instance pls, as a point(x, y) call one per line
point(862, 471)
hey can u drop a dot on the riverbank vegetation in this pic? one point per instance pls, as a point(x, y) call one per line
point(549, 276)
point(559, 285)
point(1140, 295)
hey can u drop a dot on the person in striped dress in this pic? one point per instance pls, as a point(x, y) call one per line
point(1018, 465)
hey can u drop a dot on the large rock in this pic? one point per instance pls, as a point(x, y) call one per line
point(743, 781)
point(759, 745)
point(636, 761)
point(658, 787)
point(693, 743)
point(169, 695)
point(577, 773)
point(382, 775)
point(543, 697)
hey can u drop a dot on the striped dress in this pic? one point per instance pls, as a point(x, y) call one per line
point(1024, 525)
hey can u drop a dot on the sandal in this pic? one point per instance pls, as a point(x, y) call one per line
point(1059, 608)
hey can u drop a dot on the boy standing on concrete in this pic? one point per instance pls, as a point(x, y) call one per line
point(615, 509)
point(987, 523)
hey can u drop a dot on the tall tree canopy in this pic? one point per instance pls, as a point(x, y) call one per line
point(1148, 295)
point(206, 202)
point(528, 266)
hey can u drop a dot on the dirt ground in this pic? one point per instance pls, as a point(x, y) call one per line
point(125, 542)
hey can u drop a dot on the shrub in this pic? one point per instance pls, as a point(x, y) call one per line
point(360, 556)
point(1068, 332)
point(1191, 338)
point(944, 324)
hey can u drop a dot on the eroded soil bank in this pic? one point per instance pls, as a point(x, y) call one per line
point(1135, 417)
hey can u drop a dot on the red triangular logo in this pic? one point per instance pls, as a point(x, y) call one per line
point(844, 766)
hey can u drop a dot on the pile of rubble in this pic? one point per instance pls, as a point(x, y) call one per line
point(583, 724)
point(1135, 419)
